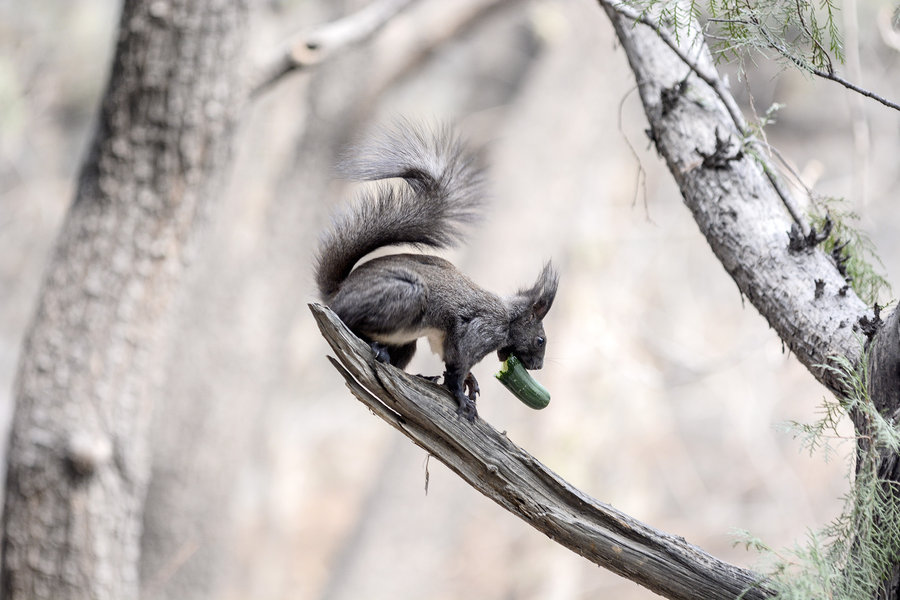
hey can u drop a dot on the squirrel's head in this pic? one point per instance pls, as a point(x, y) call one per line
point(528, 308)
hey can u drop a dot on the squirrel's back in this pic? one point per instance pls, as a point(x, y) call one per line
point(442, 191)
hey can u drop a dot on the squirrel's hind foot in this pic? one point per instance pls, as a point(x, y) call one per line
point(466, 408)
point(471, 384)
point(381, 352)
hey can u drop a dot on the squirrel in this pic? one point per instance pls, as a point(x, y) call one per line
point(393, 300)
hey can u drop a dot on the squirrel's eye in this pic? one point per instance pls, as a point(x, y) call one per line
point(539, 340)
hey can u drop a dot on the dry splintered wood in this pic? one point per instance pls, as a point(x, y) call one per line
point(486, 459)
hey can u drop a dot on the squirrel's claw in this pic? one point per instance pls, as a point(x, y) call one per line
point(471, 384)
point(466, 407)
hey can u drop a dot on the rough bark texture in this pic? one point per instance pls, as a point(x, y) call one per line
point(79, 456)
point(736, 207)
point(496, 467)
point(884, 389)
point(884, 380)
point(800, 292)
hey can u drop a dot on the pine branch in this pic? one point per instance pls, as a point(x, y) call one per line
point(517, 481)
point(829, 74)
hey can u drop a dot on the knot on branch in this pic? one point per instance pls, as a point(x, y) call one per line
point(86, 453)
point(797, 242)
point(820, 288)
point(669, 96)
point(651, 135)
point(869, 327)
point(722, 154)
point(840, 259)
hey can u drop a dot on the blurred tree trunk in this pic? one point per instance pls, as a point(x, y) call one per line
point(79, 450)
point(227, 383)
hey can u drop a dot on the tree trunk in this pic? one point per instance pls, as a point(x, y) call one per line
point(79, 453)
point(801, 293)
point(884, 389)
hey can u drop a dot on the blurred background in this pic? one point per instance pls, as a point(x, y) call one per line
point(670, 393)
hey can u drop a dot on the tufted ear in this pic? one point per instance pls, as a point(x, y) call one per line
point(538, 298)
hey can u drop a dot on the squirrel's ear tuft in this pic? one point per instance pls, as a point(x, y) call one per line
point(545, 290)
point(539, 297)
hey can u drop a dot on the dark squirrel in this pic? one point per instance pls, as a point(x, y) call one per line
point(393, 300)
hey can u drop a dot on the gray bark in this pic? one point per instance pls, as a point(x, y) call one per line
point(884, 389)
point(79, 453)
point(508, 475)
point(801, 293)
point(736, 207)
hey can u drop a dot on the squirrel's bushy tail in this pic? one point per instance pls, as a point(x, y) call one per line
point(443, 191)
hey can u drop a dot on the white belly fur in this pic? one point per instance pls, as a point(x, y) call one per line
point(398, 338)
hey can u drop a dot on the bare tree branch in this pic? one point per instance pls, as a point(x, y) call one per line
point(517, 481)
point(309, 48)
point(855, 88)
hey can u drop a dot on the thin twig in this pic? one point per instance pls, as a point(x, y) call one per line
point(310, 48)
point(853, 87)
point(763, 143)
point(640, 183)
point(789, 168)
point(799, 63)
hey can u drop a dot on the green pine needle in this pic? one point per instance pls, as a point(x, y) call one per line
point(853, 555)
point(854, 248)
point(801, 33)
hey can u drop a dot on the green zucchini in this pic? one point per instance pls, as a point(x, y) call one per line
point(519, 381)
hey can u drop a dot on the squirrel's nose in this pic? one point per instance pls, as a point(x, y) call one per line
point(534, 364)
